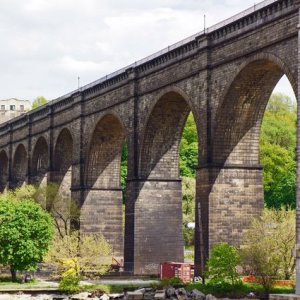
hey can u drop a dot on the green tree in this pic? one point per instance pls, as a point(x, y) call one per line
point(222, 265)
point(188, 208)
point(189, 148)
point(39, 101)
point(25, 232)
point(124, 163)
point(279, 176)
point(278, 156)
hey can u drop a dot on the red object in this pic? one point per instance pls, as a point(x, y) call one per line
point(184, 271)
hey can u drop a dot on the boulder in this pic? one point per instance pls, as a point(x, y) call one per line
point(104, 297)
point(210, 297)
point(160, 295)
point(170, 292)
point(181, 294)
point(136, 295)
point(197, 295)
point(116, 296)
point(81, 296)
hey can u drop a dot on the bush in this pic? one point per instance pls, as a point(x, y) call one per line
point(69, 284)
point(83, 254)
point(222, 265)
point(268, 247)
point(25, 231)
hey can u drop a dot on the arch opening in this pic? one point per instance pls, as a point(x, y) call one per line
point(240, 116)
point(19, 170)
point(40, 162)
point(102, 207)
point(238, 167)
point(158, 204)
point(160, 148)
point(60, 202)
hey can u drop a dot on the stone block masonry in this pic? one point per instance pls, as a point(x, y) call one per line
point(225, 77)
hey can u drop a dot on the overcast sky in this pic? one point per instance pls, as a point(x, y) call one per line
point(47, 44)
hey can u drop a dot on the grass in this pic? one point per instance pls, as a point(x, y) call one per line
point(218, 290)
point(7, 283)
point(237, 291)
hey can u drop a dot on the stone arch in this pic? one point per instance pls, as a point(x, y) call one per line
point(235, 174)
point(162, 134)
point(40, 161)
point(3, 170)
point(61, 177)
point(239, 116)
point(20, 166)
point(63, 152)
point(156, 196)
point(102, 207)
point(104, 156)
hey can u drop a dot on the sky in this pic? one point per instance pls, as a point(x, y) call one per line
point(46, 45)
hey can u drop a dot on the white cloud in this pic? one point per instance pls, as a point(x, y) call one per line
point(47, 44)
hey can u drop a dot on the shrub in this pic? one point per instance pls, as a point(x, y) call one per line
point(222, 264)
point(267, 252)
point(70, 278)
point(88, 253)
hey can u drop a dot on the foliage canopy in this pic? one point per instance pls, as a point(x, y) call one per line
point(25, 231)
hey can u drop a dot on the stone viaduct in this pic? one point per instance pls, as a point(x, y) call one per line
point(225, 76)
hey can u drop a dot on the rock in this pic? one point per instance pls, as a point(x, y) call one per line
point(170, 292)
point(136, 295)
point(210, 297)
point(197, 295)
point(104, 297)
point(116, 296)
point(81, 296)
point(149, 294)
point(181, 291)
point(96, 294)
point(160, 295)
point(181, 294)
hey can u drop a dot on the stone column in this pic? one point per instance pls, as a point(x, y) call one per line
point(101, 212)
point(153, 231)
point(227, 198)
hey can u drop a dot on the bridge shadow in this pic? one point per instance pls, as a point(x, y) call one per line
point(102, 206)
point(19, 167)
point(40, 164)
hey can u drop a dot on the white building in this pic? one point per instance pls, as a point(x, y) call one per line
point(11, 108)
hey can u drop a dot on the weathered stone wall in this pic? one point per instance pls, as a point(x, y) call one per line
point(225, 77)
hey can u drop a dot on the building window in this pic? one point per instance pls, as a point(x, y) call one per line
point(2, 107)
point(21, 107)
point(12, 107)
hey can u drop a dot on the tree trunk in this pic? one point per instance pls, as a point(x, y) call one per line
point(13, 273)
